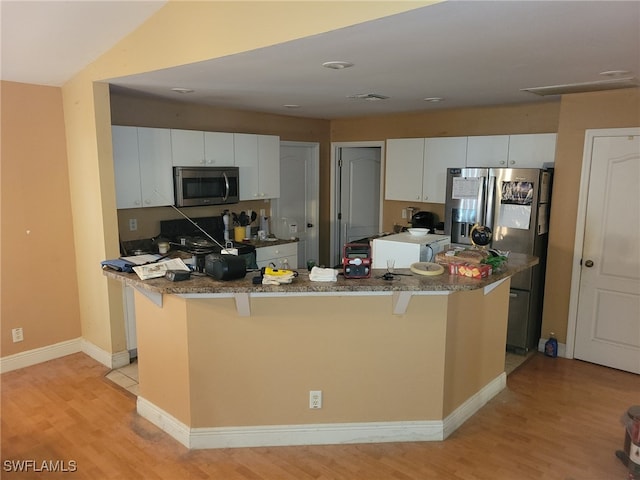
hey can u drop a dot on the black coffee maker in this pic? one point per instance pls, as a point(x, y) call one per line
point(423, 220)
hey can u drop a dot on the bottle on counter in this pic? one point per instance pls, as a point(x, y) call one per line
point(551, 346)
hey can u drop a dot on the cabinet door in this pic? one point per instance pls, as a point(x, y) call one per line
point(532, 151)
point(268, 166)
point(403, 169)
point(218, 149)
point(440, 154)
point(487, 151)
point(126, 167)
point(246, 158)
point(156, 172)
point(187, 148)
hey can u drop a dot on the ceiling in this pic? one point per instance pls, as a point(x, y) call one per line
point(469, 53)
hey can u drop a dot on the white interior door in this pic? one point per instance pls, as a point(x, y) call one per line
point(608, 309)
point(299, 202)
point(359, 193)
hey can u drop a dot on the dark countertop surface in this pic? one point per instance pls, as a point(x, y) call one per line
point(203, 284)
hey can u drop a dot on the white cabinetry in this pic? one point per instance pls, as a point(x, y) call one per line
point(488, 151)
point(532, 151)
point(403, 169)
point(440, 154)
point(277, 254)
point(193, 148)
point(513, 151)
point(258, 159)
point(142, 167)
point(416, 168)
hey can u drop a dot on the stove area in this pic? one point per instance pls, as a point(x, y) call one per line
point(187, 237)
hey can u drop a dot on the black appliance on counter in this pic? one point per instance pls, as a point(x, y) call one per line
point(187, 237)
point(423, 220)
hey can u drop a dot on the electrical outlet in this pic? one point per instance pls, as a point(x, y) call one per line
point(17, 335)
point(315, 399)
point(404, 213)
point(133, 224)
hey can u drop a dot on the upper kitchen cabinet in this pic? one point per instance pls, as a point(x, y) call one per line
point(512, 151)
point(258, 159)
point(142, 166)
point(403, 169)
point(532, 151)
point(488, 151)
point(193, 148)
point(416, 168)
point(440, 154)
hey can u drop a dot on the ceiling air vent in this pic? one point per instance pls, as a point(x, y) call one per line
point(623, 82)
point(372, 97)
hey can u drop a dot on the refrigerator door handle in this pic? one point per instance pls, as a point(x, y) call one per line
point(482, 202)
point(491, 198)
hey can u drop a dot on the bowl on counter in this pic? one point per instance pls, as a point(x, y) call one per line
point(418, 232)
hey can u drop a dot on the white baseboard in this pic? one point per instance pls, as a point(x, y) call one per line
point(111, 360)
point(473, 404)
point(62, 349)
point(562, 347)
point(39, 355)
point(319, 434)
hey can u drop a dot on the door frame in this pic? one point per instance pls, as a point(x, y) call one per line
point(576, 272)
point(334, 248)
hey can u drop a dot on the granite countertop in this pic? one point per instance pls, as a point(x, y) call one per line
point(203, 284)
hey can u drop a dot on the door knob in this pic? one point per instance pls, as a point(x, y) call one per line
point(588, 263)
point(309, 225)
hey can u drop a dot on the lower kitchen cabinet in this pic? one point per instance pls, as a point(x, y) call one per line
point(277, 254)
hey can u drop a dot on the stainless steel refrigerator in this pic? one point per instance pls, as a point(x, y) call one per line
point(514, 203)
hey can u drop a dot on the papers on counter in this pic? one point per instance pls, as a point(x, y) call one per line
point(141, 259)
point(157, 270)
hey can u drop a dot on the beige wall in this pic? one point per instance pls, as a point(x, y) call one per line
point(578, 113)
point(258, 370)
point(38, 275)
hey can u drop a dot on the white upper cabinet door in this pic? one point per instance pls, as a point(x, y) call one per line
point(156, 169)
point(403, 169)
point(488, 151)
point(187, 148)
point(218, 149)
point(126, 166)
point(268, 166)
point(440, 154)
point(246, 158)
point(532, 151)
point(258, 160)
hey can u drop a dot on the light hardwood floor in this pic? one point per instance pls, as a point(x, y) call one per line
point(557, 419)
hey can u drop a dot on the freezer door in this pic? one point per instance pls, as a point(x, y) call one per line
point(466, 202)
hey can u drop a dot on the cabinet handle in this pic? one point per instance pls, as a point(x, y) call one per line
point(512, 162)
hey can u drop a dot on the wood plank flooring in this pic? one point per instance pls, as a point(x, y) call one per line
point(557, 419)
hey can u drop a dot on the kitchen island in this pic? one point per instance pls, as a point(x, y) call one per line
point(232, 364)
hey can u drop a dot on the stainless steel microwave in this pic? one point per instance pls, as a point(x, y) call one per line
point(197, 186)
